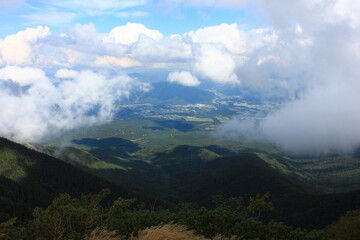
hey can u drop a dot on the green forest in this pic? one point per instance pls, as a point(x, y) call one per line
point(92, 217)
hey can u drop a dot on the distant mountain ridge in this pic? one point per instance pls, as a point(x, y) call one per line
point(194, 174)
point(246, 175)
point(173, 93)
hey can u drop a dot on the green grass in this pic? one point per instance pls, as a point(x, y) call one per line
point(332, 174)
point(9, 165)
point(29, 178)
point(78, 156)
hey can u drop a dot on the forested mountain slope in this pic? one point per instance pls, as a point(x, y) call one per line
point(29, 178)
point(247, 175)
point(179, 174)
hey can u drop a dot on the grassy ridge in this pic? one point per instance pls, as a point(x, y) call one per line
point(29, 178)
point(246, 175)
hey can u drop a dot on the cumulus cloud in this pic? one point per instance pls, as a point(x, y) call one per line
point(66, 74)
point(183, 78)
point(230, 35)
point(124, 62)
point(214, 63)
point(131, 32)
point(23, 76)
point(316, 56)
point(135, 45)
point(46, 108)
point(171, 50)
point(17, 49)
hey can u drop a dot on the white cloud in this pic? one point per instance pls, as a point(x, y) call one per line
point(214, 3)
point(230, 35)
point(17, 49)
point(183, 78)
point(50, 18)
point(172, 49)
point(66, 74)
point(132, 14)
point(23, 76)
point(124, 62)
point(325, 119)
point(315, 59)
point(59, 13)
point(131, 32)
point(45, 108)
point(134, 45)
point(215, 64)
point(96, 7)
point(312, 13)
point(84, 38)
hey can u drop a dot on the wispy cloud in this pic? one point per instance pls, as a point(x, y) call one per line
point(50, 18)
point(132, 14)
point(58, 13)
point(213, 3)
point(11, 3)
point(96, 4)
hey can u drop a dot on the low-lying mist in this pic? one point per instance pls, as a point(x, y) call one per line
point(39, 108)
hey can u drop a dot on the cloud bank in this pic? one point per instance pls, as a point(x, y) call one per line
point(44, 108)
point(317, 57)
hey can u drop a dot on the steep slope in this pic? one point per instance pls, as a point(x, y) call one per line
point(29, 179)
point(190, 173)
point(246, 175)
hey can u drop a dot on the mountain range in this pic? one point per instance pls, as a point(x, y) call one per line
point(177, 174)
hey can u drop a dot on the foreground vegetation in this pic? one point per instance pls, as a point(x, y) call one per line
point(91, 217)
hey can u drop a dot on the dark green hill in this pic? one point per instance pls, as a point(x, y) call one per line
point(29, 178)
point(172, 93)
point(197, 179)
point(190, 173)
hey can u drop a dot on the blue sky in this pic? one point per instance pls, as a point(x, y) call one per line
point(169, 17)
